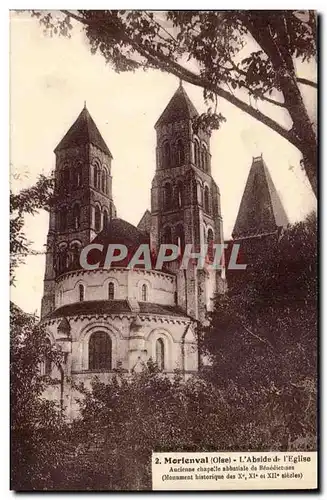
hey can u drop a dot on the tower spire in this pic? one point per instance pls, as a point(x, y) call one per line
point(261, 210)
point(180, 107)
point(83, 131)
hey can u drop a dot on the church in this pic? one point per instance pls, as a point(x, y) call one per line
point(116, 319)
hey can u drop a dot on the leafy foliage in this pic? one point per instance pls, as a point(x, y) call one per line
point(109, 447)
point(34, 420)
point(277, 290)
point(263, 332)
point(27, 201)
point(241, 56)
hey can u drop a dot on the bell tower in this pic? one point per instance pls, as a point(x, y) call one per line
point(185, 200)
point(83, 203)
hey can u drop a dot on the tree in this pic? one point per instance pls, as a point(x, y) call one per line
point(262, 335)
point(36, 423)
point(123, 421)
point(26, 201)
point(243, 57)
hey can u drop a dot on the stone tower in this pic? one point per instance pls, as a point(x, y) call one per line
point(185, 200)
point(83, 203)
point(261, 218)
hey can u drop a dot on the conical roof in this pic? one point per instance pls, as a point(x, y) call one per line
point(180, 107)
point(83, 131)
point(261, 210)
point(145, 222)
point(118, 232)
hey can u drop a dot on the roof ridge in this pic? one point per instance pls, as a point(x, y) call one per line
point(175, 108)
point(83, 131)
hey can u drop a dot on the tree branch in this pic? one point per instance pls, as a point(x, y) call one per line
point(271, 101)
point(161, 27)
point(199, 81)
point(262, 97)
point(166, 64)
point(305, 81)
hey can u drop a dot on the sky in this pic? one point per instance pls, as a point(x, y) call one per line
point(50, 78)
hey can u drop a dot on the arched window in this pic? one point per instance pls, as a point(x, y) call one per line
point(210, 244)
point(196, 153)
point(100, 351)
point(78, 176)
point(62, 260)
point(206, 200)
point(180, 191)
point(93, 176)
point(180, 154)
point(105, 219)
point(204, 158)
point(97, 177)
point(166, 155)
point(66, 179)
point(97, 219)
point(47, 366)
point(194, 191)
point(75, 256)
point(160, 354)
point(180, 237)
point(167, 235)
point(81, 293)
point(63, 219)
point(76, 216)
point(104, 181)
point(111, 291)
point(167, 196)
point(144, 293)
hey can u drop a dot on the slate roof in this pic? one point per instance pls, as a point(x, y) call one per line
point(145, 222)
point(119, 232)
point(261, 210)
point(180, 107)
point(152, 308)
point(113, 307)
point(83, 131)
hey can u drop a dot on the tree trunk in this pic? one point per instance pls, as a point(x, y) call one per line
point(272, 37)
point(302, 129)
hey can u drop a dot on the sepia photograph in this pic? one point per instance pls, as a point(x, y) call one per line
point(163, 250)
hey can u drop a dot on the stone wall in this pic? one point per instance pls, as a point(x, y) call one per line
point(128, 285)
